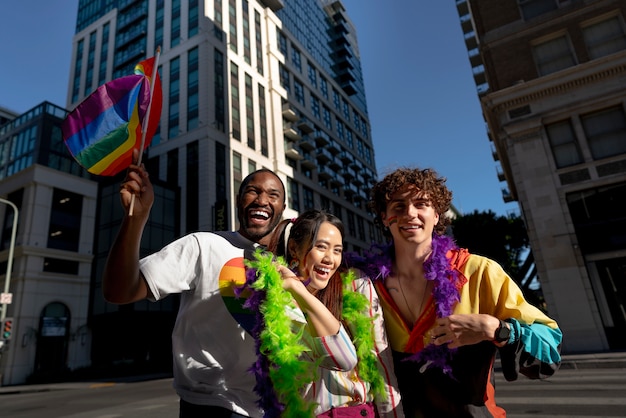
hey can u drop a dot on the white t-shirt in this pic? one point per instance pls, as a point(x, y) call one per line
point(212, 346)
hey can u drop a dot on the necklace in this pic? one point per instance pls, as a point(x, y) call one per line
point(446, 280)
point(414, 316)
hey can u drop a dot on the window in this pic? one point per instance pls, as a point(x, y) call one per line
point(340, 129)
point(324, 87)
point(564, 144)
point(315, 107)
point(174, 98)
point(296, 59)
point(175, 24)
point(298, 90)
point(605, 132)
point(360, 228)
point(293, 197)
point(220, 98)
point(65, 219)
point(192, 204)
point(282, 42)
point(9, 215)
point(351, 224)
point(598, 218)
point(346, 109)
point(283, 73)
point(327, 121)
point(604, 38)
point(553, 55)
point(56, 265)
point(312, 75)
point(336, 99)
point(309, 202)
point(263, 122)
point(237, 167)
point(259, 42)
point(247, 55)
point(192, 89)
point(250, 112)
point(192, 25)
point(234, 98)
point(232, 25)
point(534, 8)
point(349, 139)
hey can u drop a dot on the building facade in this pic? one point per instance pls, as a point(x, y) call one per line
point(550, 76)
point(52, 257)
point(246, 84)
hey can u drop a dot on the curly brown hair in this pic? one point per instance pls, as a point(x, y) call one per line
point(426, 180)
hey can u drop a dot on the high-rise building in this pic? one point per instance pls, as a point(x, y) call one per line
point(246, 84)
point(550, 75)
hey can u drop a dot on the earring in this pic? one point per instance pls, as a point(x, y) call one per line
point(293, 264)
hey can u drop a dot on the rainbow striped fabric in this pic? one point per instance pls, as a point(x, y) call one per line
point(104, 129)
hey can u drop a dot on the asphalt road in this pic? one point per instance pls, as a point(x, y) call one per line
point(590, 387)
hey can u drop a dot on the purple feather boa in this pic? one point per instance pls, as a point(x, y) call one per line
point(377, 264)
point(268, 399)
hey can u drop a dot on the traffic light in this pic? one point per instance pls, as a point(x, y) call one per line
point(7, 328)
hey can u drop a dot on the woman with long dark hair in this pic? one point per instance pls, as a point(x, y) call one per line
point(340, 333)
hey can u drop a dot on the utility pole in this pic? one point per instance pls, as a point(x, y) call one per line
point(7, 277)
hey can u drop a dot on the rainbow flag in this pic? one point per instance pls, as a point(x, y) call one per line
point(104, 129)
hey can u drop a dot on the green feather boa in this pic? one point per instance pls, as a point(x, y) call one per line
point(281, 346)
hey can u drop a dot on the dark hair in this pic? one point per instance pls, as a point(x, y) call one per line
point(250, 176)
point(427, 181)
point(303, 234)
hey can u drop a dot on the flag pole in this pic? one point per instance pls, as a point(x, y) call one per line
point(144, 127)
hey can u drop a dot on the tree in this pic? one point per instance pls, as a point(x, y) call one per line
point(503, 239)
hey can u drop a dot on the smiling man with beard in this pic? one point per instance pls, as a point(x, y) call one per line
point(211, 341)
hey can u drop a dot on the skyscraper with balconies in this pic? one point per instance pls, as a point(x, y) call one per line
point(246, 84)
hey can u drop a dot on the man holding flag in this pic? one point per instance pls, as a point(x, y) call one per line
point(212, 343)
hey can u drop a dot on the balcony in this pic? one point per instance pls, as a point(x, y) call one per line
point(350, 191)
point(305, 126)
point(321, 138)
point(307, 143)
point(291, 132)
point(335, 164)
point(308, 161)
point(274, 5)
point(336, 181)
point(292, 152)
point(346, 157)
point(289, 113)
point(501, 176)
point(323, 156)
point(348, 173)
point(506, 196)
point(324, 172)
point(334, 147)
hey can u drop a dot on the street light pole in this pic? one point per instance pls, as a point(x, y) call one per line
point(7, 278)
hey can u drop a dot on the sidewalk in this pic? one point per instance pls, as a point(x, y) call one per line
point(609, 360)
point(100, 383)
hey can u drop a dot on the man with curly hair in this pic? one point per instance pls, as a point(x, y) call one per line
point(447, 312)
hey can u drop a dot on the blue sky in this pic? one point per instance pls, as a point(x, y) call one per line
point(421, 97)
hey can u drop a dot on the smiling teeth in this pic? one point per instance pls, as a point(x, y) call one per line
point(323, 270)
point(260, 213)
